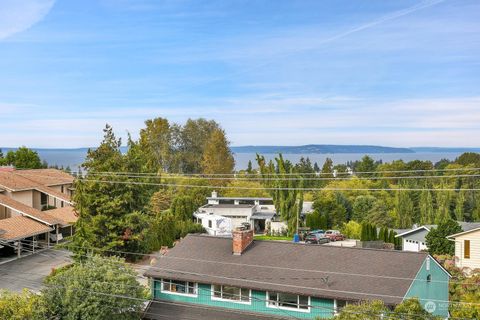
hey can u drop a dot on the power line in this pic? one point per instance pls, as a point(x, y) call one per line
point(294, 173)
point(275, 188)
point(257, 178)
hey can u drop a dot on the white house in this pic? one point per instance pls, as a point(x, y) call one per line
point(467, 248)
point(215, 225)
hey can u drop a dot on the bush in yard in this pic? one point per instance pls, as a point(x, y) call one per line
point(352, 229)
point(437, 241)
point(20, 306)
point(96, 288)
point(409, 309)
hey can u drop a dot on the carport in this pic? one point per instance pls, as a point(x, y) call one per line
point(20, 233)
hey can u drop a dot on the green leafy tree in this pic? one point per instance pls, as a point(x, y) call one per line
point(217, 156)
point(21, 306)
point(459, 206)
point(156, 144)
point(443, 204)
point(96, 288)
point(437, 241)
point(469, 158)
point(245, 188)
point(189, 142)
point(331, 204)
point(363, 206)
point(23, 158)
point(403, 210)
point(427, 214)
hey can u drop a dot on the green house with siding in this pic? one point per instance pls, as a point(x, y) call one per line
point(206, 277)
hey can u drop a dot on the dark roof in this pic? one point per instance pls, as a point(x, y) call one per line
point(164, 310)
point(353, 274)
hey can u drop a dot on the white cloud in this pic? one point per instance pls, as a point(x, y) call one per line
point(19, 15)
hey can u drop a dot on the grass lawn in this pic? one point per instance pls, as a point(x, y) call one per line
point(273, 238)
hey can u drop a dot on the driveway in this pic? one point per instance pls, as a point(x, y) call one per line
point(29, 272)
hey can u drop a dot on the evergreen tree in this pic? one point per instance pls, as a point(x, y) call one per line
point(367, 164)
point(249, 167)
point(327, 169)
point(183, 207)
point(110, 215)
point(287, 194)
point(316, 168)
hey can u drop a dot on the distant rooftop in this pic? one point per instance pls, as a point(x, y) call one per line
point(226, 206)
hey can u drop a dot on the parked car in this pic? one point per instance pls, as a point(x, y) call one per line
point(334, 235)
point(316, 238)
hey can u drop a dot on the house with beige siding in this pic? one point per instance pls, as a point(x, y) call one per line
point(35, 208)
point(467, 249)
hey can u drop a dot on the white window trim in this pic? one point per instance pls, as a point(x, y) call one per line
point(249, 302)
point(195, 285)
point(267, 298)
point(335, 307)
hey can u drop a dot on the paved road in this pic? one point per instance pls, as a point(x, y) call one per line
point(29, 272)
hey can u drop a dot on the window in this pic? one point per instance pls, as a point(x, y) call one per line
point(43, 199)
point(209, 223)
point(427, 264)
point(179, 287)
point(288, 301)
point(339, 305)
point(429, 278)
point(234, 294)
point(466, 249)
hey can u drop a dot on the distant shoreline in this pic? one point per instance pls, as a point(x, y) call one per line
point(304, 149)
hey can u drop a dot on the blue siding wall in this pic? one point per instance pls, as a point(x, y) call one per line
point(319, 307)
point(433, 295)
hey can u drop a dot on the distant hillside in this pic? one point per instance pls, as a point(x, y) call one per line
point(444, 150)
point(319, 149)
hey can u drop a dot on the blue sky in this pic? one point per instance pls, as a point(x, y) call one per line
point(396, 73)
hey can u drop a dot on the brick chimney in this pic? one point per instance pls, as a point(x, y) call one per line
point(241, 240)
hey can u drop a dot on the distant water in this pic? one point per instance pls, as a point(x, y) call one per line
point(74, 157)
point(241, 159)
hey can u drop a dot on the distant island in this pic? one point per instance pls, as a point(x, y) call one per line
point(320, 149)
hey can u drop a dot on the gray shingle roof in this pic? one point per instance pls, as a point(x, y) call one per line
point(164, 310)
point(320, 271)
